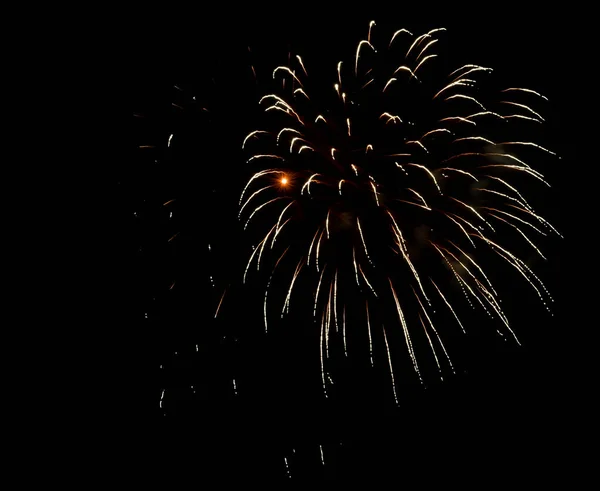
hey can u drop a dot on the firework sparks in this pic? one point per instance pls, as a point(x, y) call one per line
point(352, 205)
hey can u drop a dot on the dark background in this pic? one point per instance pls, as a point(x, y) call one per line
point(509, 412)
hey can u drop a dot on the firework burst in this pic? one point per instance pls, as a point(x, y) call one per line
point(393, 184)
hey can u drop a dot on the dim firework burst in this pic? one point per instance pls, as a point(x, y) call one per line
point(394, 183)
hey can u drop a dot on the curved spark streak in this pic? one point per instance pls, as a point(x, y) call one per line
point(460, 171)
point(474, 138)
point(473, 69)
point(523, 106)
point(358, 54)
point(516, 218)
point(264, 156)
point(250, 135)
point(399, 31)
point(529, 144)
point(388, 83)
point(463, 67)
point(390, 117)
point(525, 90)
point(422, 167)
point(416, 42)
point(372, 23)
point(404, 68)
point(256, 176)
point(473, 210)
point(262, 206)
point(279, 221)
point(466, 97)
point(459, 118)
point(252, 196)
point(286, 305)
point(420, 197)
point(458, 83)
point(430, 43)
point(285, 130)
point(307, 183)
point(286, 69)
point(300, 91)
point(428, 57)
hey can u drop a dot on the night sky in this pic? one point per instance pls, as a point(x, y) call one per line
point(216, 399)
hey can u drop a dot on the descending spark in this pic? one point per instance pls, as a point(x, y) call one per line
point(406, 333)
point(317, 293)
point(286, 305)
point(344, 329)
point(437, 362)
point(374, 192)
point(355, 267)
point(302, 64)
point(449, 306)
point(362, 237)
point(369, 331)
point(473, 210)
point(335, 315)
point(366, 280)
point(220, 302)
point(267, 288)
point(434, 331)
point(387, 348)
point(521, 232)
point(321, 355)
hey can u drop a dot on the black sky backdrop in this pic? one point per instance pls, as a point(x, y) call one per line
point(508, 411)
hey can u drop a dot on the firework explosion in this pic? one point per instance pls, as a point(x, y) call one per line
point(397, 182)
